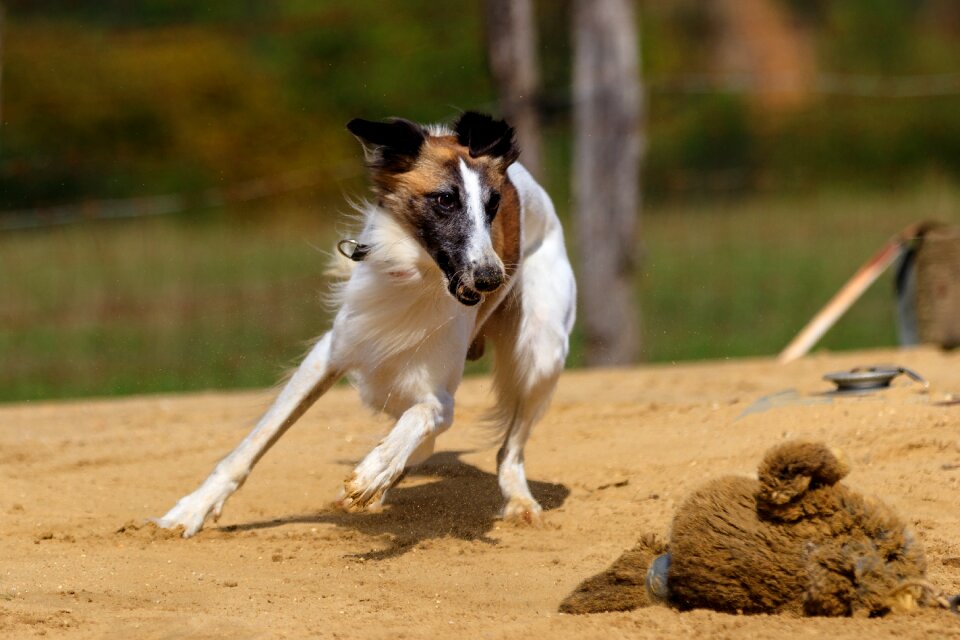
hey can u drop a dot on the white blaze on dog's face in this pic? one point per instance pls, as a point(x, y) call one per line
point(447, 189)
point(479, 249)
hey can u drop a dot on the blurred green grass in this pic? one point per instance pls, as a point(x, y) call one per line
point(740, 278)
point(109, 308)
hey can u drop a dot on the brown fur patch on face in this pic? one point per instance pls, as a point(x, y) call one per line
point(433, 169)
point(506, 229)
point(439, 164)
point(437, 168)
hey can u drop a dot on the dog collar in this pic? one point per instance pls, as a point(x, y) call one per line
point(353, 249)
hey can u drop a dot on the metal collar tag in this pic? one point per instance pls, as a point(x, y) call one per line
point(353, 249)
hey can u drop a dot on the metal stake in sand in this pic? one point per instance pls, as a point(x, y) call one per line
point(850, 293)
point(860, 380)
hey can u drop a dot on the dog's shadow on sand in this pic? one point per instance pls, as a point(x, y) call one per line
point(462, 502)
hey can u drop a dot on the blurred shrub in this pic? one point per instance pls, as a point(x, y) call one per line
point(844, 141)
point(91, 113)
point(126, 97)
point(702, 144)
point(99, 102)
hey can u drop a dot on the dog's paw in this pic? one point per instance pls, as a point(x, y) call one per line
point(354, 497)
point(192, 510)
point(189, 521)
point(365, 492)
point(525, 511)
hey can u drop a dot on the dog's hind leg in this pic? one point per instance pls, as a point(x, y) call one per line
point(530, 334)
point(312, 379)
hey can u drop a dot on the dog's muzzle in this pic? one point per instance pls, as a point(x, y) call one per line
point(486, 279)
point(465, 295)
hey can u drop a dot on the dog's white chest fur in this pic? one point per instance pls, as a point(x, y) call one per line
point(398, 331)
point(400, 335)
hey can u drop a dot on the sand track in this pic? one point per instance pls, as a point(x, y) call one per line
point(611, 460)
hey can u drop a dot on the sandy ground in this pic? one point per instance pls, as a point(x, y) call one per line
point(617, 452)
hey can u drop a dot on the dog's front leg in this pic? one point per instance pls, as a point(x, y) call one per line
point(366, 486)
point(311, 380)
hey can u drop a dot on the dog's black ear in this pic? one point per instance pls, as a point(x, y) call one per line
point(485, 136)
point(391, 145)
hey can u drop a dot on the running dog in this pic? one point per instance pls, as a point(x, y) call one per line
point(460, 246)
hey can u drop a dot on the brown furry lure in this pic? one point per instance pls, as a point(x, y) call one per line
point(793, 541)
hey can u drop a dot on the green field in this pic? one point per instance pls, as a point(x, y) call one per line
point(106, 308)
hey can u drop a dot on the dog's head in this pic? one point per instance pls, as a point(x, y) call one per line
point(444, 187)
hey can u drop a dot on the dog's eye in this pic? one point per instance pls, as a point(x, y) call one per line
point(446, 201)
point(493, 204)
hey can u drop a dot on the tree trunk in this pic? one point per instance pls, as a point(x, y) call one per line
point(2, 35)
point(512, 51)
point(608, 147)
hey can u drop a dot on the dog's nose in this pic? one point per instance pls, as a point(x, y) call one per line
point(487, 279)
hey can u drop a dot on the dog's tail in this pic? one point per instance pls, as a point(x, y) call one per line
point(521, 399)
point(523, 387)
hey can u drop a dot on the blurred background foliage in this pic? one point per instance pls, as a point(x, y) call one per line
point(109, 99)
point(755, 211)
